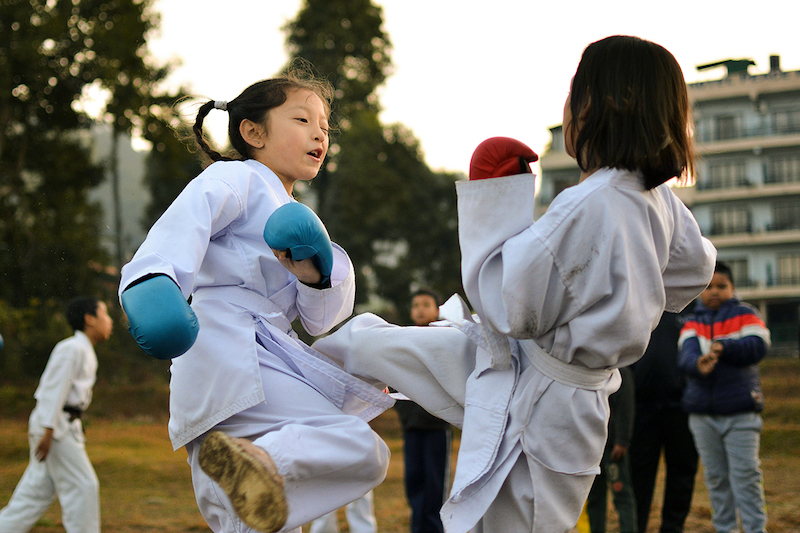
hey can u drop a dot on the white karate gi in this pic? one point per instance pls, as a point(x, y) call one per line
point(563, 301)
point(276, 391)
point(66, 472)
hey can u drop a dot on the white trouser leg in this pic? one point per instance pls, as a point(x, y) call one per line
point(325, 524)
point(327, 458)
point(34, 493)
point(76, 484)
point(428, 364)
point(361, 515)
point(67, 472)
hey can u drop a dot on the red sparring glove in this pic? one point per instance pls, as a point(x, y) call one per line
point(500, 156)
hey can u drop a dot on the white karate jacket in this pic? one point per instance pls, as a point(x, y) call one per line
point(578, 293)
point(67, 379)
point(210, 241)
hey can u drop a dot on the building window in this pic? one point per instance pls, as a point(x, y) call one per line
point(787, 121)
point(739, 271)
point(730, 219)
point(727, 127)
point(783, 169)
point(558, 181)
point(789, 269)
point(725, 174)
point(786, 216)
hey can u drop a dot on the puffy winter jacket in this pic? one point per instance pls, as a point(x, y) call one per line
point(734, 386)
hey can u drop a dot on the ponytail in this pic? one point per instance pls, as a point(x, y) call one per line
point(254, 104)
point(205, 109)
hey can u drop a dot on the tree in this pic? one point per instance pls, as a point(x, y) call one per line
point(378, 198)
point(53, 53)
point(170, 164)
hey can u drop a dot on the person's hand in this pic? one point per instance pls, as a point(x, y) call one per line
point(43, 448)
point(500, 156)
point(716, 348)
point(618, 452)
point(305, 271)
point(707, 362)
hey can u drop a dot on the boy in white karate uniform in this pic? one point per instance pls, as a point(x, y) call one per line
point(59, 465)
point(562, 302)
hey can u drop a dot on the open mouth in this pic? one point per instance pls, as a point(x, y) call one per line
point(315, 153)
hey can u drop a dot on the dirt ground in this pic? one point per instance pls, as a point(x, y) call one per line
point(145, 486)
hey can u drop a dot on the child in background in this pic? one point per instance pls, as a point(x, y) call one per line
point(426, 441)
point(721, 345)
point(59, 465)
point(267, 422)
point(562, 301)
point(615, 470)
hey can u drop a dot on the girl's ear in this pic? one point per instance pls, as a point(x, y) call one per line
point(252, 133)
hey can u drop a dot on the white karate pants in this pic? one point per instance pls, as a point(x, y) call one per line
point(360, 518)
point(66, 473)
point(431, 365)
point(326, 457)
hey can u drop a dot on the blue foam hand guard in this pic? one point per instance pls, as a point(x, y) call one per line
point(296, 228)
point(159, 317)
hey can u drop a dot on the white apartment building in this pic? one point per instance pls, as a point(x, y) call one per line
point(746, 197)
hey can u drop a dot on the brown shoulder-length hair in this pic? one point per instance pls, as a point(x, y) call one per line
point(638, 116)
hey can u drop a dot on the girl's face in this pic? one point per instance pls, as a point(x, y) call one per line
point(297, 138)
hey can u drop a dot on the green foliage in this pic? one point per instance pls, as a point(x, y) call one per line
point(52, 54)
point(377, 196)
point(170, 165)
point(343, 39)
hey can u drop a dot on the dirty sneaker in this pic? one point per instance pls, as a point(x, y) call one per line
point(249, 477)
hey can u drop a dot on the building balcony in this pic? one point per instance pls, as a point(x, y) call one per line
point(781, 290)
point(751, 140)
point(705, 194)
point(754, 238)
point(746, 133)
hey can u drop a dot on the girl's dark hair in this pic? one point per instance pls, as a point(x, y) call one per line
point(636, 112)
point(255, 102)
point(78, 308)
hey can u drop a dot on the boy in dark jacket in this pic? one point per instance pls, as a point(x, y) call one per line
point(720, 347)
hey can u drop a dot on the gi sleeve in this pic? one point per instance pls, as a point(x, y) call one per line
point(321, 309)
point(56, 381)
point(691, 261)
point(177, 242)
point(507, 270)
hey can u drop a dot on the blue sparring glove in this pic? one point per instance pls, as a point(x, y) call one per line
point(296, 228)
point(159, 317)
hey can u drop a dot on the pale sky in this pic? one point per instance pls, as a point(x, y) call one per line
point(468, 70)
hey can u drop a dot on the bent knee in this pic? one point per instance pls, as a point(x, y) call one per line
point(370, 453)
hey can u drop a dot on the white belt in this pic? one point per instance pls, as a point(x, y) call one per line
point(557, 370)
point(250, 300)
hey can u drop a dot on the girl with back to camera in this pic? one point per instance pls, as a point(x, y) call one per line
point(267, 422)
point(562, 302)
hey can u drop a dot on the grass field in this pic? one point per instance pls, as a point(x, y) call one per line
point(145, 487)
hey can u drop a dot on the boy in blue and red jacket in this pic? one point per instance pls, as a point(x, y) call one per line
point(720, 346)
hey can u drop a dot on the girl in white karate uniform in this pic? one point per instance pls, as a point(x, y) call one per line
point(268, 423)
point(561, 302)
